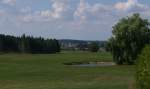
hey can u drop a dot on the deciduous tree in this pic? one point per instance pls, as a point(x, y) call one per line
point(130, 35)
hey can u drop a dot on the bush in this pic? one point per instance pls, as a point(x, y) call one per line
point(94, 47)
point(143, 69)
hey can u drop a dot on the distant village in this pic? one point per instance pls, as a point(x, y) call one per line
point(80, 45)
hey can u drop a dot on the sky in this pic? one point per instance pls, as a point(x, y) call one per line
point(67, 19)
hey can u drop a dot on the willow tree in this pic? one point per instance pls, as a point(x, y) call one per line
point(130, 35)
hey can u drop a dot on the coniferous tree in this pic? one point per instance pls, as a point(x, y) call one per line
point(27, 44)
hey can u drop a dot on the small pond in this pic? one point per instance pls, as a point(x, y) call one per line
point(91, 64)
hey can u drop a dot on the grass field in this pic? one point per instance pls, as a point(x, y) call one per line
point(46, 71)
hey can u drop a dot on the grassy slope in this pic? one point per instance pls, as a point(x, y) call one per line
point(27, 71)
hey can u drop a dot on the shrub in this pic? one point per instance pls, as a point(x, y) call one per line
point(94, 47)
point(143, 69)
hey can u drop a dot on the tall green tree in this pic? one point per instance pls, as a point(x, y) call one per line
point(130, 35)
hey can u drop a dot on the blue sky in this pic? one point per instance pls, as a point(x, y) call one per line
point(67, 19)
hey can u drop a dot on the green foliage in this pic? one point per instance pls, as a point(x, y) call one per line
point(27, 44)
point(143, 69)
point(94, 47)
point(129, 37)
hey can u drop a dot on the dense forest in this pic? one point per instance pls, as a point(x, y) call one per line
point(28, 44)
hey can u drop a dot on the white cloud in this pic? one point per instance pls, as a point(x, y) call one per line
point(27, 18)
point(9, 2)
point(130, 5)
point(26, 10)
point(2, 12)
point(85, 11)
point(58, 11)
point(58, 8)
point(82, 8)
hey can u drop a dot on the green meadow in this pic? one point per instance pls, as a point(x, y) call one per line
point(47, 71)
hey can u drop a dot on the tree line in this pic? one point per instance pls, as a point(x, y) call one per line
point(28, 44)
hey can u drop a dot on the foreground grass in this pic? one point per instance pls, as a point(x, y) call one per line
point(46, 71)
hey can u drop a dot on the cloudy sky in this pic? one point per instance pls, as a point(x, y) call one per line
point(67, 19)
